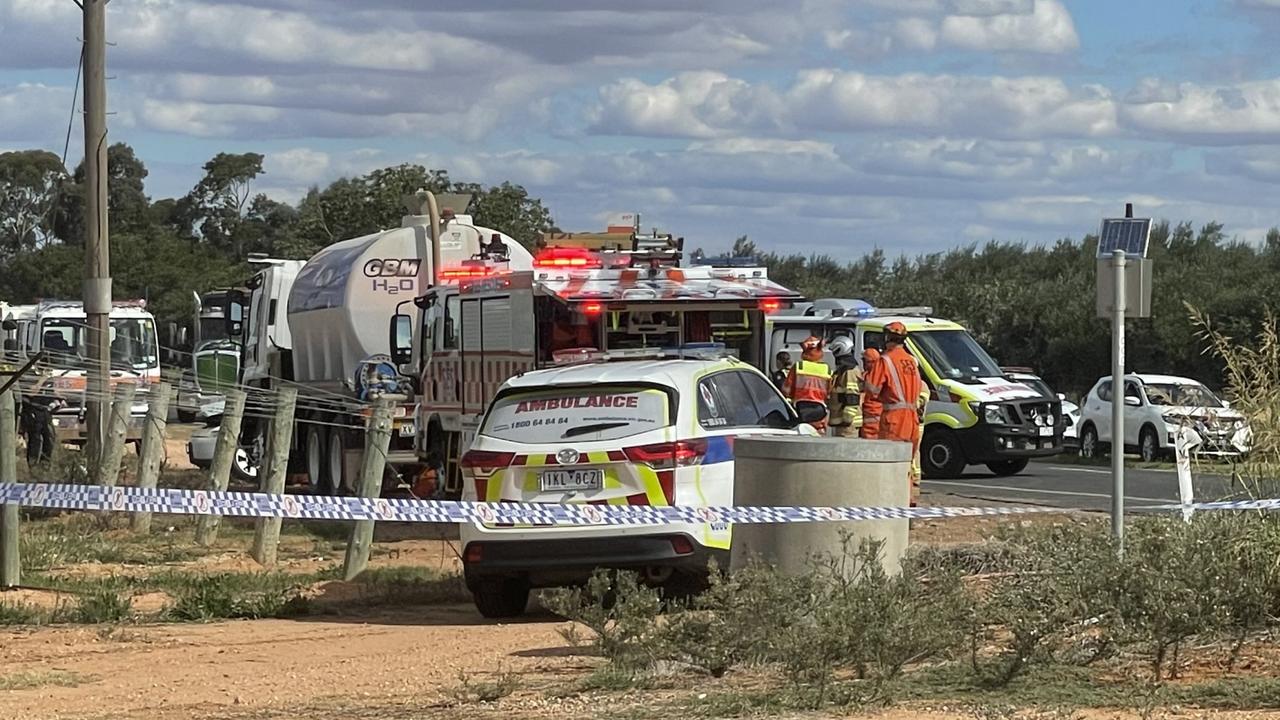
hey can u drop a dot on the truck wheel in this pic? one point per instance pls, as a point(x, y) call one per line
point(497, 598)
point(317, 461)
point(940, 455)
point(1005, 468)
point(243, 467)
point(337, 462)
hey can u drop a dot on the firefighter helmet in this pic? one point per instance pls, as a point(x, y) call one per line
point(870, 355)
point(896, 331)
point(811, 348)
point(841, 346)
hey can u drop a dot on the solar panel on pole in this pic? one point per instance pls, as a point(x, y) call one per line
point(1128, 234)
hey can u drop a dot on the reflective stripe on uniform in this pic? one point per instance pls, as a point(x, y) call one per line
point(896, 379)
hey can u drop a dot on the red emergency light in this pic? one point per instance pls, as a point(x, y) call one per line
point(592, 308)
point(567, 258)
point(462, 273)
point(770, 305)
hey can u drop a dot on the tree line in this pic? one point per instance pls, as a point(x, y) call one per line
point(162, 250)
point(1028, 305)
point(1035, 306)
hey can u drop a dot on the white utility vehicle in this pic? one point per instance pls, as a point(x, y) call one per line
point(1156, 406)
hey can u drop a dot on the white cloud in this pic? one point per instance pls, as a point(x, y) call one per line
point(1047, 28)
point(705, 105)
point(32, 112)
point(1242, 112)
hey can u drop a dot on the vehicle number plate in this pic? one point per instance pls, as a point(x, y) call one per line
point(552, 480)
point(406, 430)
point(1046, 431)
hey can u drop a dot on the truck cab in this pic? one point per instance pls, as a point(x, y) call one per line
point(214, 362)
point(976, 415)
point(59, 330)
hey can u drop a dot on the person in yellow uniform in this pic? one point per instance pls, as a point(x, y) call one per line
point(845, 398)
point(921, 402)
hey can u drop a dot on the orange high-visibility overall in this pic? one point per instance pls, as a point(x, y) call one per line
point(808, 382)
point(895, 383)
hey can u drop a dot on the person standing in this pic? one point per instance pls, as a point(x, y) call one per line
point(895, 382)
point(871, 406)
point(782, 363)
point(808, 384)
point(846, 389)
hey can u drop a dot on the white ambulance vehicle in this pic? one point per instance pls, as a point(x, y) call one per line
point(657, 432)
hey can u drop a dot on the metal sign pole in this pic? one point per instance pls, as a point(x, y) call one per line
point(1118, 263)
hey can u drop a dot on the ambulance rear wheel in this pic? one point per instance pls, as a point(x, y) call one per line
point(337, 462)
point(498, 598)
point(941, 455)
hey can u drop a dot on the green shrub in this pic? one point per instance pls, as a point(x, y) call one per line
point(101, 605)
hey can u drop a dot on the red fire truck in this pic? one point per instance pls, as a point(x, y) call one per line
point(588, 293)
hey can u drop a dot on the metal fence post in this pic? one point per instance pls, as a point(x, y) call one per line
point(224, 455)
point(266, 536)
point(118, 427)
point(1118, 263)
point(10, 560)
point(152, 452)
point(377, 441)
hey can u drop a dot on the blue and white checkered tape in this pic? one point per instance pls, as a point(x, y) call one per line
point(319, 507)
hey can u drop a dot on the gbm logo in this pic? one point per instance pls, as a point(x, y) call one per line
point(393, 275)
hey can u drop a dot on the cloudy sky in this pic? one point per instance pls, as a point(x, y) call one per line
point(812, 125)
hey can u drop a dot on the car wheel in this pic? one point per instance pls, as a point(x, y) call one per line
point(1005, 468)
point(1149, 444)
point(940, 455)
point(317, 461)
point(186, 416)
point(497, 598)
point(1089, 445)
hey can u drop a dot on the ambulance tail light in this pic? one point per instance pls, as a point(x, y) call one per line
point(770, 305)
point(592, 308)
point(567, 258)
point(662, 456)
point(482, 464)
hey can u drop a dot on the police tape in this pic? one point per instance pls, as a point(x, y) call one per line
point(322, 507)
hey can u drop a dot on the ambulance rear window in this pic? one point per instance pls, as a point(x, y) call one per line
point(585, 414)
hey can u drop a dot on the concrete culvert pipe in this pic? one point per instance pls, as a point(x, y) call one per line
point(819, 472)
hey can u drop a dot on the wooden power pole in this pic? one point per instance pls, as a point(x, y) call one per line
point(97, 248)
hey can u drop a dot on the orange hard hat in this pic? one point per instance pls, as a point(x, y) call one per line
point(870, 355)
point(813, 342)
point(896, 328)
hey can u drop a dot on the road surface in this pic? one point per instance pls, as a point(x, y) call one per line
point(1067, 485)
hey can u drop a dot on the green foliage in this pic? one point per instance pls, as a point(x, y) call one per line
point(236, 595)
point(101, 605)
point(1034, 305)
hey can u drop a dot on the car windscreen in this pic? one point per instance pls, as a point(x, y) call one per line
point(1182, 395)
point(955, 355)
point(584, 414)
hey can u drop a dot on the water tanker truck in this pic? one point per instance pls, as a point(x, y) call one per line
point(320, 326)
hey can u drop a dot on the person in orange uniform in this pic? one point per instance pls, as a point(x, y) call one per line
point(895, 382)
point(808, 383)
point(871, 407)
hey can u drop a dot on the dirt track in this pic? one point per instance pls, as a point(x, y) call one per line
point(185, 671)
